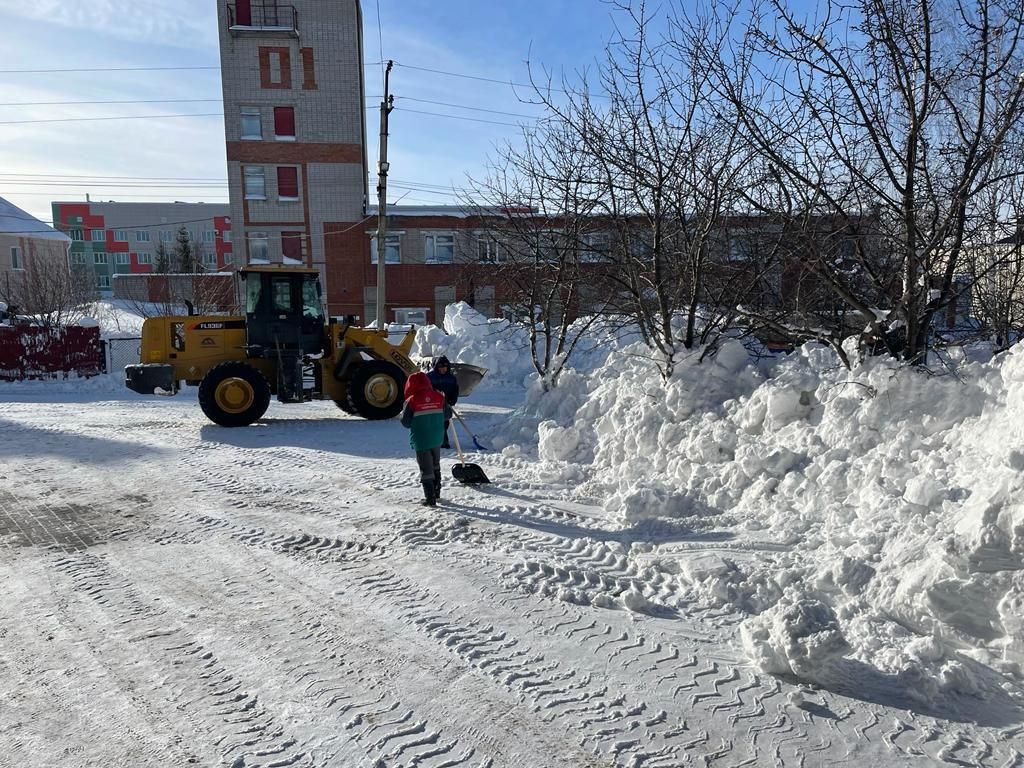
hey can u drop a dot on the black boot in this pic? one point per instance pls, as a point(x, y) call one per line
point(428, 494)
point(437, 490)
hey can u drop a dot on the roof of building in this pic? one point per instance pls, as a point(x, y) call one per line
point(14, 221)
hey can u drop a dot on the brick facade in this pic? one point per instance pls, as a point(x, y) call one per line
point(309, 67)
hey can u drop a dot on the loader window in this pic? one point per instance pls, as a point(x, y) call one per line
point(281, 291)
point(311, 298)
point(178, 336)
point(252, 293)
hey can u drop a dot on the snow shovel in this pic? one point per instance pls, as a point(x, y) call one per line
point(467, 474)
point(465, 426)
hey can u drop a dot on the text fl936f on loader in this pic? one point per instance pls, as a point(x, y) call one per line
point(282, 346)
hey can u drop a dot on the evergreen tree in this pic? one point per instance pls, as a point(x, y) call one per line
point(162, 263)
point(184, 251)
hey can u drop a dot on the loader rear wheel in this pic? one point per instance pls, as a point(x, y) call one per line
point(234, 394)
point(375, 390)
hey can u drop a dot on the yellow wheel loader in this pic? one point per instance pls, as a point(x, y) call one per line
point(283, 346)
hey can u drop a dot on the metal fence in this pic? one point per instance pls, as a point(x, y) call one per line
point(35, 352)
point(121, 352)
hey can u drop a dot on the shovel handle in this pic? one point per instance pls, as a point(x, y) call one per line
point(458, 447)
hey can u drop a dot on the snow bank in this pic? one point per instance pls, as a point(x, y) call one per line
point(890, 502)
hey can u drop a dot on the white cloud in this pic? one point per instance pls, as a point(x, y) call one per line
point(184, 23)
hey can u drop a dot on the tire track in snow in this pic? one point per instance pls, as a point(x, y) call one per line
point(240, 729)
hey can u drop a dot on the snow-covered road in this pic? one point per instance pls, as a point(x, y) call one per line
point(177, 593)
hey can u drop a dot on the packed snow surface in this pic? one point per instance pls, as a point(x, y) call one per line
point(750, 563)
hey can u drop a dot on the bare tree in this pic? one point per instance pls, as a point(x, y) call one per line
point(540, 242)
point(657, 159)
point(996, 266)
point(54, 293)
point(897, 109)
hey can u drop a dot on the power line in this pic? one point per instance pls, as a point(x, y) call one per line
point(134, 178)
point(477, 77)
point(101, 69)
point(118, 117)
point(454, 117)
point(75, 103)
point(123, 69)
point(464, 106)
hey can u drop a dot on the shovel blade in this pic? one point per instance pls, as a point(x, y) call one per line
point(469, 474)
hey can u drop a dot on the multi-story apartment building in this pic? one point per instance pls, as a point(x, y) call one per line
point(124, 238)
point(295, 121)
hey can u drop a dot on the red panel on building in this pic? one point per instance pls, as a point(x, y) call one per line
point(284, 121)
point(222, 241)
point(287, 181)
point(243, 11)
point(291, 245)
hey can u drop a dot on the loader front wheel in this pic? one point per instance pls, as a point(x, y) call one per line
point(376, 389)
point(234, 394)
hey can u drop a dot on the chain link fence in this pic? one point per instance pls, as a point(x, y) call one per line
point(121, 352)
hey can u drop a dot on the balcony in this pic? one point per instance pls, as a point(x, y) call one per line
point(264, 18)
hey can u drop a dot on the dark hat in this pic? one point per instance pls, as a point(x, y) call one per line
point(442, 360)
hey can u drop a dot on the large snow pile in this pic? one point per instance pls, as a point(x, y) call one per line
point(503, 347)
point(888, 503)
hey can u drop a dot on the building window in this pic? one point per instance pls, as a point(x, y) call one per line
point(596, 247)
point(208, 236)
point(259, 246)
point(284, 123)
point(78, 258)
point(209, 260)
point(740, 249)
point(255, 182)
point(103, 281)
point(252, 124)
point(488, 251)
point(145, 258)
point(417, 316)
point(166, 236)
point(75, 234)
point(99, 236)
point(229, 258)
point(121, 235)
point(16, 258)
point(226, 236)
point(142, 236)
point(287, 183)
point(392, 250)
point(440, 249)
point(99, 258)
point(121, 258)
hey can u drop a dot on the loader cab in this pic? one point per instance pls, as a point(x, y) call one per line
point(283, 311)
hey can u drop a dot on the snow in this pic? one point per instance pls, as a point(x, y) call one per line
point(782, 561)
point(17, 222)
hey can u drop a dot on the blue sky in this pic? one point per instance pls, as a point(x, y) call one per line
point(39, 160)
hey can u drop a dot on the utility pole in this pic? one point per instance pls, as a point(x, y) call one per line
point(382, 193)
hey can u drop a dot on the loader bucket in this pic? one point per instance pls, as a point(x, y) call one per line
point(468, 376)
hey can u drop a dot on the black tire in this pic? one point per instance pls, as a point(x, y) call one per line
point(345, 406)
point(376, 390)
point(234, 394)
